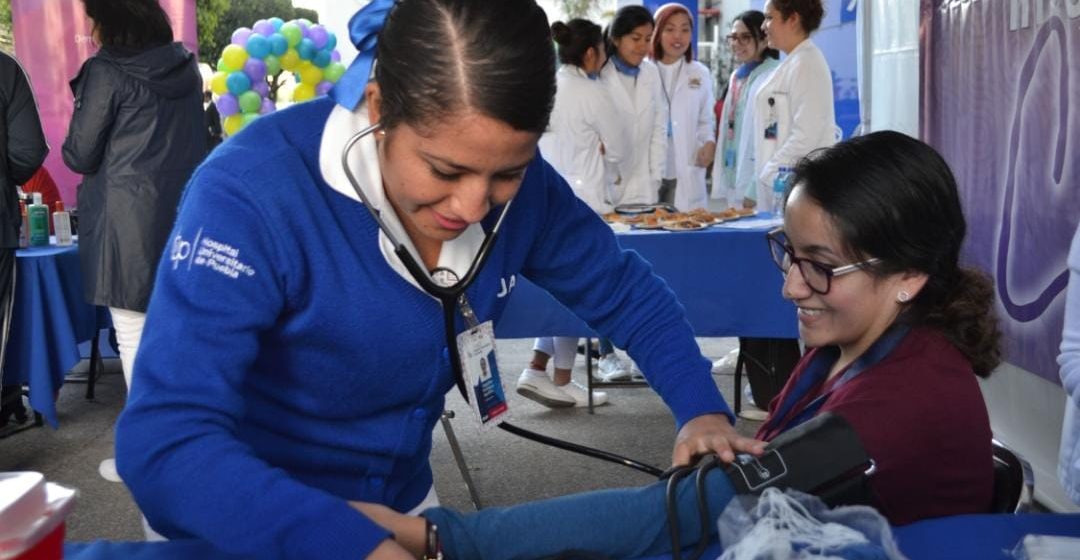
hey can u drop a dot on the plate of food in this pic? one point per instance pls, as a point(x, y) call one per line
point(733, 214)
point(684, 225)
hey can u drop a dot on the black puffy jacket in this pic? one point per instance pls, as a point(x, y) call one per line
point(136, 136)
point(22, 144)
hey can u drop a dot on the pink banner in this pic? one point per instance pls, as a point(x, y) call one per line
point(52, 40)
point(1001, 101)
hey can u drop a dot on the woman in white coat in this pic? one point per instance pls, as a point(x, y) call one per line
point(793, 110)
point(634, 86)
point(585, 135)
point(734, 180)
point(686, 85)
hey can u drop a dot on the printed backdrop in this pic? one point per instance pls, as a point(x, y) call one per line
point(1001, 101)
point(52, 40)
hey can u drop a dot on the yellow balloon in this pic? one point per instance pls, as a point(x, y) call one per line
point(219, 83)
point(303, 92)
point(311, 75)
point(232, 124)
point(234, 56)
point(290, 60)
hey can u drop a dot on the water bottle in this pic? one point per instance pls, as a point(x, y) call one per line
point(780, 183)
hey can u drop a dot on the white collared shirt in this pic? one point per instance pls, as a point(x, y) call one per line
point(456, 254)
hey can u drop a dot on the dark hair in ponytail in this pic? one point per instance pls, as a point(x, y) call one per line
point(437, 57)
point(893, 197)
point(575, 38)
point(753, 20)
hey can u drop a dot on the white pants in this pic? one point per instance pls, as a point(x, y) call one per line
point(562, 349)
point(129, 326)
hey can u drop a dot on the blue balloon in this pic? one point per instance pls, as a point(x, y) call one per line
point(238, 83)
point(306, 49)
point(276, 22)
point(278, 44)
point(331, 41)
point(321, 59)
point(258, 46)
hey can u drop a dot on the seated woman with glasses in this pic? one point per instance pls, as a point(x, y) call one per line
point(870, 251)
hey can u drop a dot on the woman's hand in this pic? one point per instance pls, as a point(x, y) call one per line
point(409, 532)
point(705, 155)
point(712, 433)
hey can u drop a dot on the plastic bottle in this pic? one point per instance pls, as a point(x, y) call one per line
point(62, 225)
point(24, 229)
point(779, 185)
point(38, 215)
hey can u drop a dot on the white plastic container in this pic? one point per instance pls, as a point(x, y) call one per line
point(32, 514)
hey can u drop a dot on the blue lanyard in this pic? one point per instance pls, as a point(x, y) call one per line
point(817, 371)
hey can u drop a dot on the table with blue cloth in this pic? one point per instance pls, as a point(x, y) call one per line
point(723, 276)
point(962, 537)
point(48, 321)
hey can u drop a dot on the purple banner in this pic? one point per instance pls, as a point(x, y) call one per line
point(1001, 101)
point(52, 39)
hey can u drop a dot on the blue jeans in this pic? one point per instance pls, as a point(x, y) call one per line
point(621, 523)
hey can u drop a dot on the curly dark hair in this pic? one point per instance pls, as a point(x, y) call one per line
point(893, 197)
point(811, 12)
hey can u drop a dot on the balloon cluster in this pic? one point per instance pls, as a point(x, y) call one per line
point(265, 50)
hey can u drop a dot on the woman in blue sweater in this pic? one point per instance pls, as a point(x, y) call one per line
point(291, 363)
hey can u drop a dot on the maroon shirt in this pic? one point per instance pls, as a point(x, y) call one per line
point(921, 417)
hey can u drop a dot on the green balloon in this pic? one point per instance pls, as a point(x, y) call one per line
point(248, 118)
point(292, 32)
point(222, 67)
point(333, 72)
point(273, 65)
point(250, 102)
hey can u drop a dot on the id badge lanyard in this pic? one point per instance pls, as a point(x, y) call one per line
point(450, 291)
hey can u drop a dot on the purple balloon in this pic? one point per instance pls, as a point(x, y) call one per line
point(255, 69)
point(323, 87)
point(263, 27)
point(318, 35)
point(228, 105)
point(240, 36)
point(335, 56)
point(267, 107)
point(261, 88)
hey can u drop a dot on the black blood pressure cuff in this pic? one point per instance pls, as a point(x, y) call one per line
point(822, 456)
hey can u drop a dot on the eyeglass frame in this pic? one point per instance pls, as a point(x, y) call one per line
point(773, 236)
point(741, 38)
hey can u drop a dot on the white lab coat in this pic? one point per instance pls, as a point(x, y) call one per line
point(1069, 360)
point(645, 121)
point(802, 95)
point(742, 182)
point(693, 124)
point(582, 119)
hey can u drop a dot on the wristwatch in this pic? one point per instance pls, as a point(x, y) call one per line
point(432, 546)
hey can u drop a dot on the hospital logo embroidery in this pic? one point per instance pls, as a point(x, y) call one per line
point(695, 83)
point(209, 253)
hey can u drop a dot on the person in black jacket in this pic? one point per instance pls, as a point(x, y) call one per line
point(136, 135)
point(23, 147)
point(213, 122)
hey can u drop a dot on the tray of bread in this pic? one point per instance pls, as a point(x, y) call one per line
point(662, 218)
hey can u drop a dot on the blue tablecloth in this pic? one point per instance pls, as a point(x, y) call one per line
point(724, 277)
point(49, 320)
point(964, 537)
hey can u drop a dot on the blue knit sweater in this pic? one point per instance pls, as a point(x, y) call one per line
point(286, 368)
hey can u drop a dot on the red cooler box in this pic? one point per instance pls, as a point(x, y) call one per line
point(32, 514)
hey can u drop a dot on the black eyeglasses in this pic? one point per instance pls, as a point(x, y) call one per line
point(817, 276)
point(740, 38)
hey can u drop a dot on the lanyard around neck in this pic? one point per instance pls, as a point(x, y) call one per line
point(674, 83)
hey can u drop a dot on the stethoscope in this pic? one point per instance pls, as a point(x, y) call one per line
point(444, 285)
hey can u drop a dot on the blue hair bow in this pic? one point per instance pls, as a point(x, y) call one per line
point(364, 29)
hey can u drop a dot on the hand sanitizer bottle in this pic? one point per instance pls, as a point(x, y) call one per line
point(38, 215)
point(62, 225)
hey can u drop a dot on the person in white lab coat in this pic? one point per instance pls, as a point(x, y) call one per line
point(585, 135)
point(1069, 460)
point(634, 85)
point(793, 109)
point(734, 180)
point(686, 85)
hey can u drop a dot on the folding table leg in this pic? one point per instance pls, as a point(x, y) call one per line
point(589, 371)
point(738, 377)
point(459, 457)
point(95, 357)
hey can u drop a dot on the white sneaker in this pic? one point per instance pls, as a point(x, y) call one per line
point(580, 394)
point(726, 365)
point(612, 369)
point(536, 385)
point(107, 470)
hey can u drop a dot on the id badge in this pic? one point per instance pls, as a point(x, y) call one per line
point(476, 348)
point(729, 157)
point(770, 131)
point(670, 130)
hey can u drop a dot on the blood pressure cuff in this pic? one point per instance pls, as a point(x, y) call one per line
point(823, 456)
